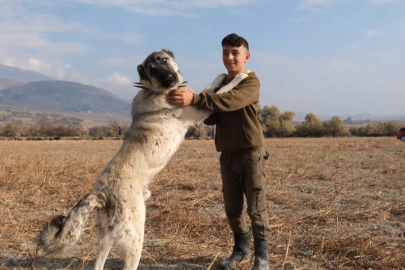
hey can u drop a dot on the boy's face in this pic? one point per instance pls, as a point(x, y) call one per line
point(234, 59)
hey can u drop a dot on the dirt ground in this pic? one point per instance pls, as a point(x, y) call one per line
point(334, 203)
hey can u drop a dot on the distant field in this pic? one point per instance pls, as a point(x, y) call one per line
point(333, 204)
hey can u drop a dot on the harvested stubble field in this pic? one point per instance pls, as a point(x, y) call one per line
point(333, 204)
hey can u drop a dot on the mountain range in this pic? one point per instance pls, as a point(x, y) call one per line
point(22, 75)
point(32, 90)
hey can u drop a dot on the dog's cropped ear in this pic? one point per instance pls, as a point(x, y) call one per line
point(170, 53)
point(142, 73)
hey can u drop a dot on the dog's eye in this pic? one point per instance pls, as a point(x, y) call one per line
point(164, 60)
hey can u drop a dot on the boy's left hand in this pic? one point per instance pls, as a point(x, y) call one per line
point(181, 97)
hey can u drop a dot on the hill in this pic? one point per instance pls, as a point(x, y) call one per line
point(21, 75)
point(63, 96)
point(5, 82)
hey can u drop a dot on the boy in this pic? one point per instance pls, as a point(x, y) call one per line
point(239, 138)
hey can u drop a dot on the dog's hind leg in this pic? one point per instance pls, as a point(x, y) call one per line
point(105, 242)
point(130, 250)
point(104, 246)
point(130, 239)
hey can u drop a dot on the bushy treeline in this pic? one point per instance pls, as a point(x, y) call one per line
point(42, 129)
point(281, 124)
point(274, 124)
point(375, 130)
point(277, 124)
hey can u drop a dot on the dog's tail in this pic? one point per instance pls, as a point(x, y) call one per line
point(61, 231)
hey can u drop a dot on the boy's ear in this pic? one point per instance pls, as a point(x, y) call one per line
point(247, 57)
point(142, 73)
point(170, 53)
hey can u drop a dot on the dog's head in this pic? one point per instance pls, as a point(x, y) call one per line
point(159, 72)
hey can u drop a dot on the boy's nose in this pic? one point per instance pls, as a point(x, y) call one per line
point(228, 57)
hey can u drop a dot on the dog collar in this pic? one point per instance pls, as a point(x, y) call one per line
point(150, 91)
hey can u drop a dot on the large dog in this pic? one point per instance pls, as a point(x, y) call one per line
point(119, 193)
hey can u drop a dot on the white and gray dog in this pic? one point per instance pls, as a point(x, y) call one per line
point(119, 193)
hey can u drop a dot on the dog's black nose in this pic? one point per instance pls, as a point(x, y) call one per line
point(170, 77)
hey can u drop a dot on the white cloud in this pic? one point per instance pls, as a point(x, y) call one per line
point(182, 8)
point(22, 30)
point(63, 71)
point(386, 1)
point(372, 33)
point(127, 60)
point(49, 3)
point(160, 11)
point(118, 79)
point(353, 47)
point(177, 4)
point(317, 5)
point(166, 7)
point(317, 2)
point(8, 62)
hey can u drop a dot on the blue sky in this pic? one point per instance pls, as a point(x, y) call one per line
point(328, 57)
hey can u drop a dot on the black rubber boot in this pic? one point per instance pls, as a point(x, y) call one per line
point(240, 253)
point(261, 254)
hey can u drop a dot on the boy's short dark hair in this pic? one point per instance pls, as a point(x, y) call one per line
point(235, 41)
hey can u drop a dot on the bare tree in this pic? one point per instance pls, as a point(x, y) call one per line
point(116, 125)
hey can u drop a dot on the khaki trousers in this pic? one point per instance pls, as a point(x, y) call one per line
point(244, 175)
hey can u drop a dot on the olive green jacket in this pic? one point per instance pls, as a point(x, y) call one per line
point(235, 114)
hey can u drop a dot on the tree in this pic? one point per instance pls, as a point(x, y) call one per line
point(286, 124)
point(335, 127)
point(96, 131)
point(274, 123)
point(116, 126)
point(81, 130)
point(311, 127)
point(391, 128)
point(11, 129)
point(197, 132)
point(269, 117)
point(33, 129)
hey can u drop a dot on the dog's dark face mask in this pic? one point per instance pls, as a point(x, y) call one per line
point(159, 72)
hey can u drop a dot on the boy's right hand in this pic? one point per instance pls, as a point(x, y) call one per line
point(181, 97)
point(188, 89)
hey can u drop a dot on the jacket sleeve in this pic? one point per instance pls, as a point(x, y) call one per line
point(244, 94)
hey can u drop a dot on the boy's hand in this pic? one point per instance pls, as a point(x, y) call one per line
point(181, 97)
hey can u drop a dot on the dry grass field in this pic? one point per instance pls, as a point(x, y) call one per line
point(333, 204)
